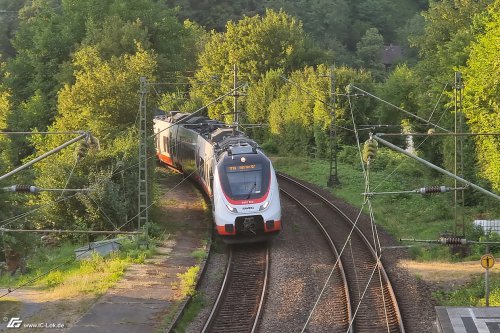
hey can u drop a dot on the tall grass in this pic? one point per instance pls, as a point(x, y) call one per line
point(471, 295)
point(91, 276)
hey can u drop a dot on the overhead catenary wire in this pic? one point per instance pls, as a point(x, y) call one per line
point(425, 121)
point(347, 241)
point(73, 231)
point(66, 198)
point(25, 214)
point(6, 132)
point(376, 240)
point(131, 219)
point(109, 233)
point(50, 152)
point(10, 220)
point(437, 102)
point(431, 134)
point(102, 210)
point(198, 111)
point(327, 281)
point(422, 190)
point(401, 163)
point(435, 167)
point(106, 232)
point(70, 175)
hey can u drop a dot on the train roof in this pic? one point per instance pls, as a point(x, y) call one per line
point(223, 136)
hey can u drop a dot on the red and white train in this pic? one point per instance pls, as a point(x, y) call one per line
point(233, 171)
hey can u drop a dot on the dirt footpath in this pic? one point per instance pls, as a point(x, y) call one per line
point(148, 295)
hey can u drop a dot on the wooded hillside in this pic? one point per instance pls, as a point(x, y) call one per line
point(75, 65)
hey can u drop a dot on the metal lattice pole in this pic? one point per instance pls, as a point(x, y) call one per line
point(142, 217)
point(333, 178)
point(459, 160)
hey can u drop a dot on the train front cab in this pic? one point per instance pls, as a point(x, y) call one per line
point(246, 199)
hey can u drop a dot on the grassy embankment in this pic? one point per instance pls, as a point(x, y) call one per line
point(405, 215)
point(53, 271)
point(56, 272)
point(187, 280)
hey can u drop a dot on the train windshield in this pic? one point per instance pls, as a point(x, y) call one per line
point(245, 180)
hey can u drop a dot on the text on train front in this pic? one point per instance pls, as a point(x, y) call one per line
point(245, 182)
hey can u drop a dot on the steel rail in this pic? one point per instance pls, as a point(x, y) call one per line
point(225, 290)
point(262, 295)
point(362, 236)
point(331, 244)
point(222, 292)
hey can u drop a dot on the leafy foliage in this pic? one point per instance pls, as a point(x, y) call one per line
point(482, 106)
point(103, 100)
point(335, 25)
point(301, 114)
point(75, 64)
point(77, 67)
point(256, 44)
point(369, 51)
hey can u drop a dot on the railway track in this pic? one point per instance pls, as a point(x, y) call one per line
point(369, 294)
point(239, 303)
point(341, 310)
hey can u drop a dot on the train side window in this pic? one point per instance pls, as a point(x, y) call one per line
point(201, 168)
point(211, 177)
point(165, 144)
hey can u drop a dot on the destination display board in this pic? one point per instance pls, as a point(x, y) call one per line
point(244, 167)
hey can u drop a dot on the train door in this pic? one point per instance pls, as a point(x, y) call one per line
point(174, 144)
point(165, 144)
point(157, 140)
point(171, 146)
point(206, 173)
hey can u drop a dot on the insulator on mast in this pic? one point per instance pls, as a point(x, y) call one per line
point(453, 241)
point(22, 188)
point(370, 150)
point(433, 189)
point(82, 149)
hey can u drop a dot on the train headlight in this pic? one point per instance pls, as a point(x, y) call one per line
point(231, 209)
point(264, 206)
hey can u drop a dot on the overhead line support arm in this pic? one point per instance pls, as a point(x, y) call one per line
point(435, 167)
point(47, 154)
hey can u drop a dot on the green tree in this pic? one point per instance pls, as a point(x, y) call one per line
point(369, 51)
point(450, 27)
point(8, 26)
point(301, 114)
point(481, 95)
point(50, 31)
point(260, 96)
point(336, 25)
point(256, 44)
point(400, 89)
point(103, 100)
